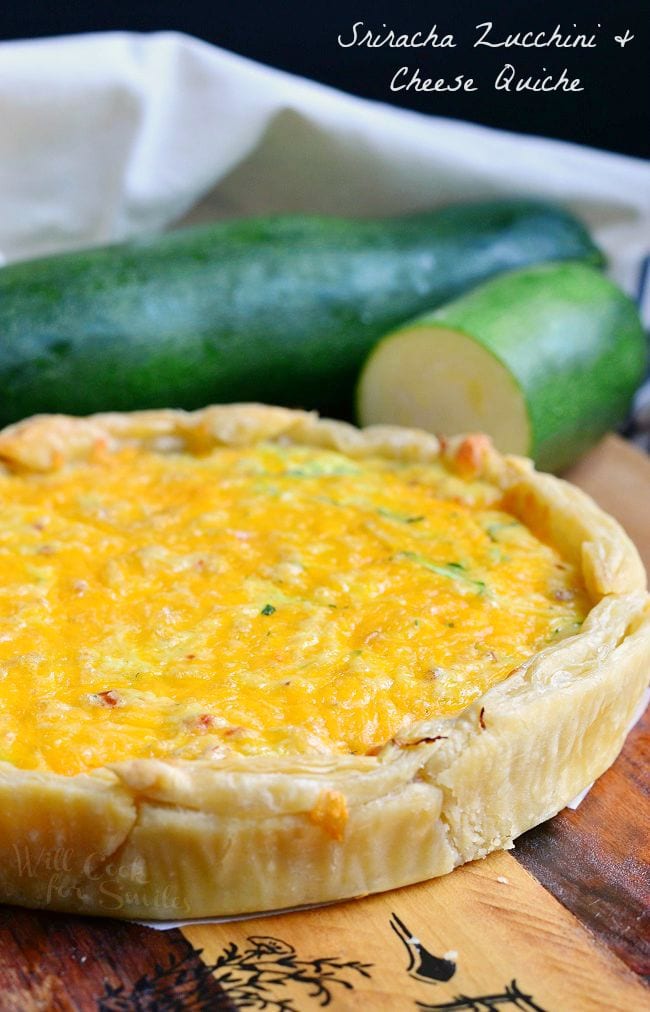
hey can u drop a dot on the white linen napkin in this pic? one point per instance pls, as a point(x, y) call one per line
point(108, 135)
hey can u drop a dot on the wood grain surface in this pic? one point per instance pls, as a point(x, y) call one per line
point(562, 933)
point(491, 922)
point(596, 860)
point(51, 961)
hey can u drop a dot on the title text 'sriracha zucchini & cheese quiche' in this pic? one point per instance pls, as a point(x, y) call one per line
point(250, 659)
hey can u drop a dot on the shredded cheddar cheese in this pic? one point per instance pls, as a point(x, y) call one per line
point(275, 599)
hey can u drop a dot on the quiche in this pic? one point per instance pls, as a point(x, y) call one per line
point(251, 659)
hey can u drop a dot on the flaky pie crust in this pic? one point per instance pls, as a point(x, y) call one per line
point(151, 839)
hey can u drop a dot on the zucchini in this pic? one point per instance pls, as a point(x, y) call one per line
point(278, 309)
point(545, 360)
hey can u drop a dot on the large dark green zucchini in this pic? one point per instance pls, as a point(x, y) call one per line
point(280, 309)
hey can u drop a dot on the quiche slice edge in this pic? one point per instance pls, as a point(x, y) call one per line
point(161, 838)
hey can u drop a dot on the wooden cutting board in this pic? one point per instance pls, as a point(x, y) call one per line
point(560, 924)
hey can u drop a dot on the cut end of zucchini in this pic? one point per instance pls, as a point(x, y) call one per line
point(441, 380)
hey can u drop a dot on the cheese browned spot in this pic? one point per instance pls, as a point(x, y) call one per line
point(274, 599)
point(330, 813)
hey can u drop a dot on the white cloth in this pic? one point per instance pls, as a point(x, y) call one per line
point(108, 135)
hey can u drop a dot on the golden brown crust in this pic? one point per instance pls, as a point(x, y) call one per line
point(159, 839)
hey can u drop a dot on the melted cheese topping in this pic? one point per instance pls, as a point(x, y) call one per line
point(276, 599)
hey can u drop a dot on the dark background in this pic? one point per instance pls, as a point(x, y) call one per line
point(612, 112)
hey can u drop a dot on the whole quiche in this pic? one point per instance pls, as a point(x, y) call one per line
point(252, 659)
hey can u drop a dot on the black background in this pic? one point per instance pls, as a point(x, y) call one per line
point(612, 112)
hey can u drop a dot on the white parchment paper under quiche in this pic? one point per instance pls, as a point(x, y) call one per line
point(252, 659)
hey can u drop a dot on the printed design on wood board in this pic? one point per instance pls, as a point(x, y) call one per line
point(256, 975)
point(252, 977)
point(424, 966)
point(510, 997)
